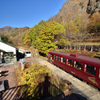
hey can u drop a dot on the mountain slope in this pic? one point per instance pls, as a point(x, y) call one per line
point(7, 30)
point(13, 34)
point(72, 8)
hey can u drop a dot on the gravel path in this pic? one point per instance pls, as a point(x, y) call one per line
point(78, 86)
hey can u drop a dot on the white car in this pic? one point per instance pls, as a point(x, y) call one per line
point(28, 54)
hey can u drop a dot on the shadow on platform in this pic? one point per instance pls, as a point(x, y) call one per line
point(44, 91)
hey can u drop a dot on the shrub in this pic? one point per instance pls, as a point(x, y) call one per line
point(32, 76)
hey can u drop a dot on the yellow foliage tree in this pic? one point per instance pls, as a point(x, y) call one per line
point(32, 76)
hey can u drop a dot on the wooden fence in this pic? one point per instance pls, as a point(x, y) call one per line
point(95, 48)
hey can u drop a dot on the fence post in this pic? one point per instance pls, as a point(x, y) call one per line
point(91, 48)
point(67, 46)
point(85, 48)
point(74, 47)
point(79, 47)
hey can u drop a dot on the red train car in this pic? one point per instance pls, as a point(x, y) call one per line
point(84, 67)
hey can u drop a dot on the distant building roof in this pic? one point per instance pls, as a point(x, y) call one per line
point(6, 47)
point(9, 44)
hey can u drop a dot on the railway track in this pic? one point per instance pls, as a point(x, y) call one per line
point(78, 86)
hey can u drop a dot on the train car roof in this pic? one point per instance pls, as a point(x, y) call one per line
point(78, 56)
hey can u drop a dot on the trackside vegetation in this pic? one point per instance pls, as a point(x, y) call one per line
point(37, 82)
point(32, 76)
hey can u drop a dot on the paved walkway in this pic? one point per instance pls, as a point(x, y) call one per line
point(78, 86)
point(10, 83)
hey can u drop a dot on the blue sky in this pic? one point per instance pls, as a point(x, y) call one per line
point(21, 13)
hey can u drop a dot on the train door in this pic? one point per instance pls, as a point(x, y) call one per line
point(99, 80)
point(78, 69)
point(69, 65)
point(91, 74)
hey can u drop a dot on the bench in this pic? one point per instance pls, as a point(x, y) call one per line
point(2, 87)
point(0, 73)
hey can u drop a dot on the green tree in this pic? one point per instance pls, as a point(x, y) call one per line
point(5, 38)
point(48, 37)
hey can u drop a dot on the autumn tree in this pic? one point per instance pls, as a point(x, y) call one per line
point(34, 32)
point(63, 39)
point(48, 37)
point(71, 26)
point(77, 24)
point(74, 29)
point(32, 77)
point(26, 40)
point(94, 24)
point(12, 34)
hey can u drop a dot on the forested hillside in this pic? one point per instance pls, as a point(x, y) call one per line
point(12, 35)
point(82, 18)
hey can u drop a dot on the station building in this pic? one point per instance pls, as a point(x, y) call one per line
point(7, 52)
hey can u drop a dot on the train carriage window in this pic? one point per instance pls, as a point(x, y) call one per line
point(57, 58)
point(78, 65)
point(63, 60)
point(90, 69)
point(69, 62)
point(51, 57)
